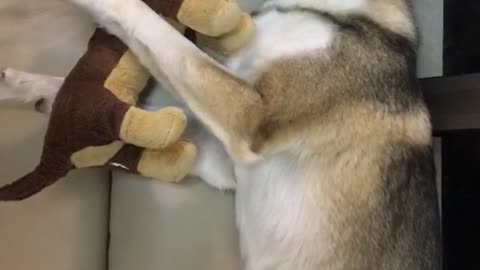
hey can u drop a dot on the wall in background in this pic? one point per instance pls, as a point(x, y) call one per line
point(429, 14)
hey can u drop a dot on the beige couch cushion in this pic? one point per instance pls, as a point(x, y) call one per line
point(65, 226)
point(171, 227)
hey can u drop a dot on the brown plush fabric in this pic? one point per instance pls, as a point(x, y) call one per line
point(128, 156)
point(84, 114)
point(40, 178)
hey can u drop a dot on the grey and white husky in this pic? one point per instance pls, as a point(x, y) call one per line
point(327, 139)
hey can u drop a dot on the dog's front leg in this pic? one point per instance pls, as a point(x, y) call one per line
point(228, 106)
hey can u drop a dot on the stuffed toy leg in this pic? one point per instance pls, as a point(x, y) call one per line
point(93, 120)
point(219, 25)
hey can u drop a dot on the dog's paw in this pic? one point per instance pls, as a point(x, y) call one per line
point(27, 87)
point(215, 172)
point(2, 72)
point(20, 85)
point(44, 105)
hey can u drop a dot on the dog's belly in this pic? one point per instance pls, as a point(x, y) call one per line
point(275, 218)
point(275, 221)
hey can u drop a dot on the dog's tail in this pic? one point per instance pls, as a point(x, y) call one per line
point(33, 182)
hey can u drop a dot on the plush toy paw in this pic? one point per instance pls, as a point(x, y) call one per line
point(232, 41)
point(171, 164)
point(210, 17)
point(153, 130)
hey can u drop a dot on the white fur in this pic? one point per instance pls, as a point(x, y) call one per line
point(331, 6)
point(213, 165)
point(280, 36)
point(270, 205)
point(277, 230)
point(391, 16)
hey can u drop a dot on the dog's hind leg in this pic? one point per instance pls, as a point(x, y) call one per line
point(29, 87)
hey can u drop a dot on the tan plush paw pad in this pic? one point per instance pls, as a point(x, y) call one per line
point(232, 41)
point(171, 164)
point(210, 17)
point(153, 130)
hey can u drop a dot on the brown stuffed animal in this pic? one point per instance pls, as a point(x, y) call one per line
point(93, 120)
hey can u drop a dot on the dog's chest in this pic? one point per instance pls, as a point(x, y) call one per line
point(269, 197)
point(281, 35)
point(264, 190)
